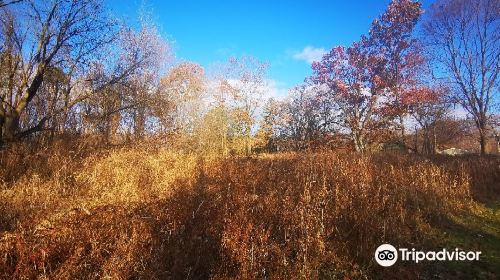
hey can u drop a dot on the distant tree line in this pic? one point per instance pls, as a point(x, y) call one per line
point(69, 68)
point(397, 76)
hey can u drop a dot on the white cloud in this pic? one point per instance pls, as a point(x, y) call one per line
point(310, 54)
point(269, 89)
point(459, 112)
point(275, 89)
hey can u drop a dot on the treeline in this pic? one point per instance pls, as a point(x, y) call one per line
point(410, 71)
point(69, 68)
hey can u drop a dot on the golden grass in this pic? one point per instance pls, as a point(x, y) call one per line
point(150, 213)
point(132, 176)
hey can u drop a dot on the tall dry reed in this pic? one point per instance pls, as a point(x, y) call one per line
point(151, 213)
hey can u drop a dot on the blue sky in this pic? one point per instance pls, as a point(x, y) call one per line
point(286, 34)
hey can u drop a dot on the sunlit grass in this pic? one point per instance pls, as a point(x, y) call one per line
point(146, 212)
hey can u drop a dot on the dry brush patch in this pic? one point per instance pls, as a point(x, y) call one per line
point(142, 213)
point(59, 179)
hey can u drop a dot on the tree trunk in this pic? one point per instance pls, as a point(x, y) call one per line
point(429, 144)
point(10, 125)
point(139, 121)
point(248, 148)
point(434, 139)
point(482, 141)
point(426, 145)
point(416, 140)
point(358, 141)
point(112, 125)
point(481, 125)
point(355, 142)
point(403, 129)
point(65, 112)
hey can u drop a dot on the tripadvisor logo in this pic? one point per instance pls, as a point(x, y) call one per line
point(387, 255)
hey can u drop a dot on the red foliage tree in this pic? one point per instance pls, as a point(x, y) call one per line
point(350, 77)
point(391, 38)
point(369, 79)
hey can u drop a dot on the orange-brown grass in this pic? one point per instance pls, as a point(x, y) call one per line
point(151, 213)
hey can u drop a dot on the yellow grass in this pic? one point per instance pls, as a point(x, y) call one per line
point(145, 213)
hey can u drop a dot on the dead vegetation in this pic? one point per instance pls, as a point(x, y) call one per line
point(148, 213)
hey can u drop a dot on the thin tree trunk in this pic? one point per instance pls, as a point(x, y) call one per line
point(482, 142)
point(427, 143)
point(434, 138)
point(481, 125)
point(140, 120)
point(416, 140)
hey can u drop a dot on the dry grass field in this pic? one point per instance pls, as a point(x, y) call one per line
point(249, 139)
point(73, 211)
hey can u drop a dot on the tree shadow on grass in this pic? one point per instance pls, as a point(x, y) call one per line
point(469, 232)
point(175, 238)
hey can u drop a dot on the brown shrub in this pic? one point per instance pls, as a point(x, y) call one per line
point(135, 213)
point(484, 173)
point(315, 214)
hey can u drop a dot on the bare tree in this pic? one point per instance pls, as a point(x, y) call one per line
point(464, 37)
point(38, 36)
point(178, 103)
point(243, 84)
point(7, 3)
point(150, 53)
point(427, 106)
point(124, 90)
point(304, 118)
